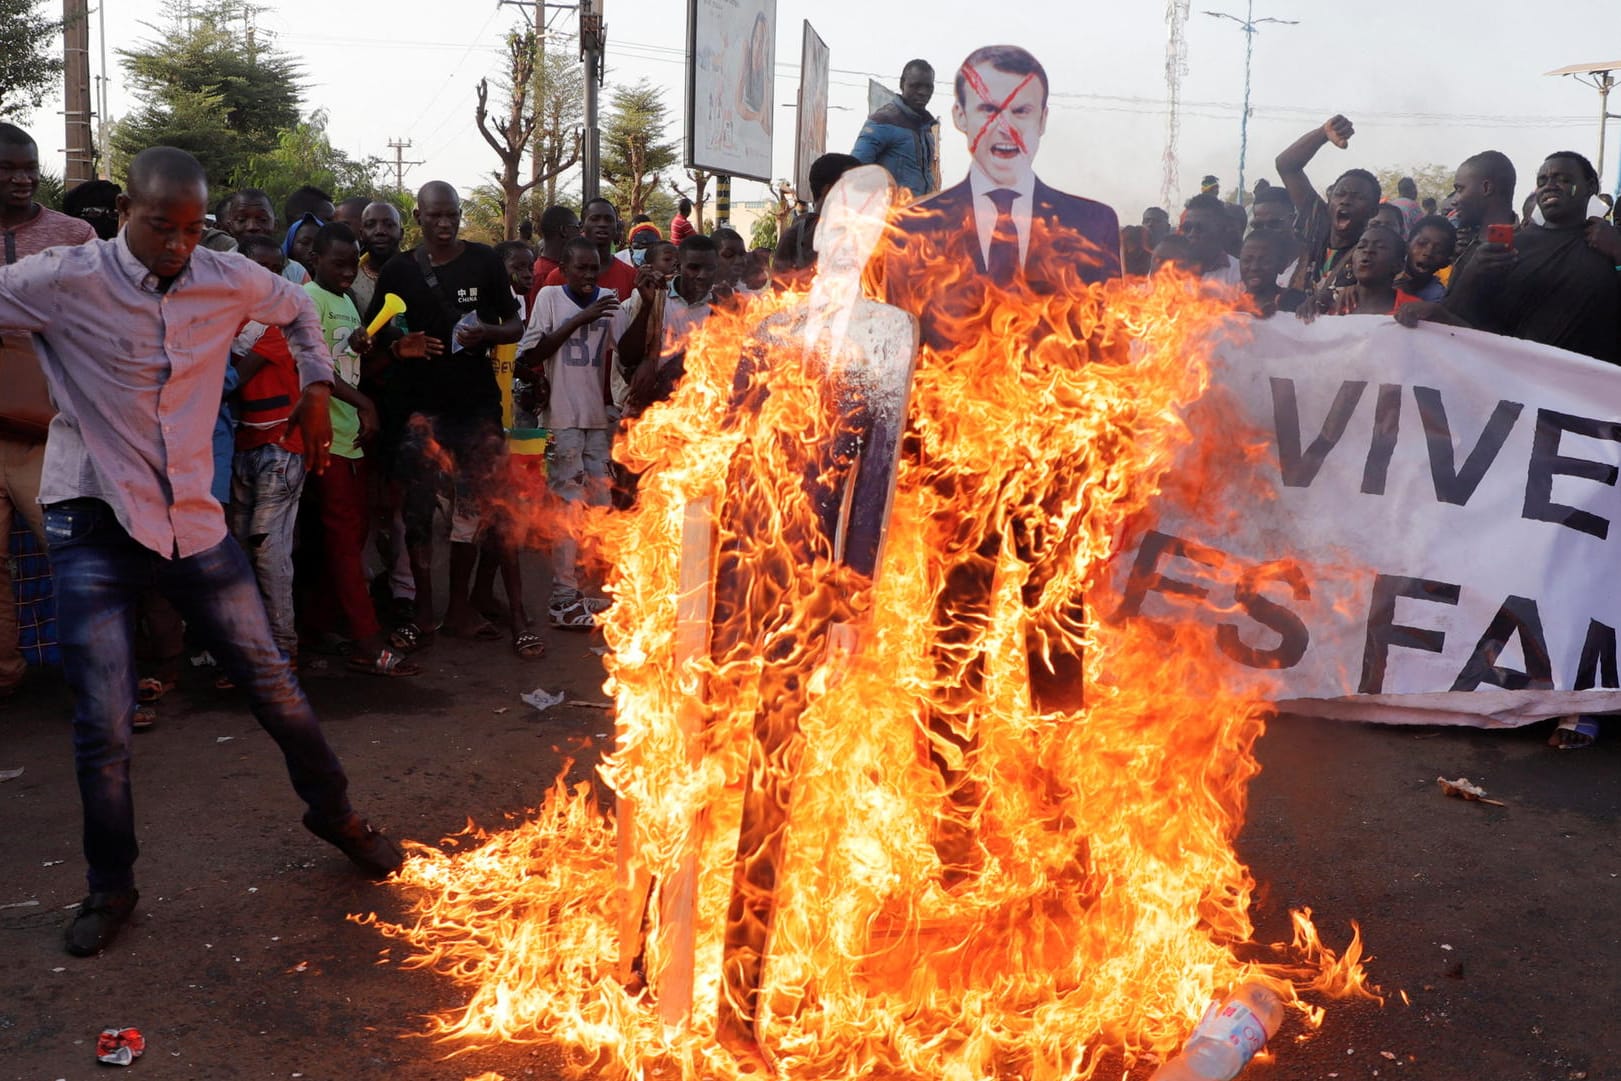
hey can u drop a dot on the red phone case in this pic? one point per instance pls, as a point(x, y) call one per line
point(1500, 234)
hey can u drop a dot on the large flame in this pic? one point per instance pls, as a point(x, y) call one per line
point(965, 886)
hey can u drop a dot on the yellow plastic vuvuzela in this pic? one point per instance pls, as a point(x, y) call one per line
point(392, 306)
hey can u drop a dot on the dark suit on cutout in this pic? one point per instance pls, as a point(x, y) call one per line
point(936, 269)
point(1066, 231)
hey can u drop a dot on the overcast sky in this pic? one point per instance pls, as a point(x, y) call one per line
point(1419, 90)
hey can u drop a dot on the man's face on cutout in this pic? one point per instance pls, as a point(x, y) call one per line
point(1004, 118)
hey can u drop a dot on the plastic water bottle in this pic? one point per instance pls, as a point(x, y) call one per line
point(1228, 1037)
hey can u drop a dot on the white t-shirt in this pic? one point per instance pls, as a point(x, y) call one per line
point(575, 371)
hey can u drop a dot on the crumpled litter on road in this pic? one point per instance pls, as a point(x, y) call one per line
point(542, 699)
point(120, 1046)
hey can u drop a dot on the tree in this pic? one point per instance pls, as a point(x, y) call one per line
point(635, 149)
point(764, 234)
point(209, 87)
point(484, 214)
point(304, 155)
point(509, 137)
point(51, 190)
point(28, 67)
point(660, 206)
point(1434, 181)
point(555, 145)
point(193, 122)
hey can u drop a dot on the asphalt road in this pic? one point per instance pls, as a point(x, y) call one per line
point(1499, 923)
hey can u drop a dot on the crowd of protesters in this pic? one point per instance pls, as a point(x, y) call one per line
point(339, 537)
point(1543, 270)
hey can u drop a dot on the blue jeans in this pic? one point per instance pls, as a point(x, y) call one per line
point(100, 574)
point(265, 486)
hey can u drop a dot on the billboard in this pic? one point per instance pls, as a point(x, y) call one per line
point(879, 95)
point(810, 133)
point(731, 69)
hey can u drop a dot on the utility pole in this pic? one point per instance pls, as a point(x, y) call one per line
point(399, 147)
point(1251, 26)
point(592, 39)
point(76, 91)
point(102, 119)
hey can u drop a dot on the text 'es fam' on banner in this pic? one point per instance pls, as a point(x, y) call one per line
point(1428, 532)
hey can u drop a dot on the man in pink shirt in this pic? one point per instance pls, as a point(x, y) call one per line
point(25, 228)
point(138, 333)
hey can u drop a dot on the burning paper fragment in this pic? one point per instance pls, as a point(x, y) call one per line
point(1463, 789)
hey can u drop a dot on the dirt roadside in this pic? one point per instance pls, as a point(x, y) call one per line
point(1499, 923)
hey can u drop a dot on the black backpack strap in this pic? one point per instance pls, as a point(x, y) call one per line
point(424, 264)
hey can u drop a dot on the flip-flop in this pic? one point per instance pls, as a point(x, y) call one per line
point(529, 645)
point(484, 632)
point(386, 663)
point(1575, 733)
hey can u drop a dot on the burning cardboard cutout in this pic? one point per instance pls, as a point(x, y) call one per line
point(1105, 906)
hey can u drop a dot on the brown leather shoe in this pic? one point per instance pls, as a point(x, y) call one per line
point(368, 849)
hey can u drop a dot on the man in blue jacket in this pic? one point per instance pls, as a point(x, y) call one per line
point(901, 136)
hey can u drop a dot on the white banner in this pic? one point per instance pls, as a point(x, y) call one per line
point(1445, 506)
point(731, 75)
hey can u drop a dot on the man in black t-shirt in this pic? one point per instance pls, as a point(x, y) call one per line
point(1557, 285)
point(441, 403)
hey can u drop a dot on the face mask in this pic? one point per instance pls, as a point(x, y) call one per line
point(638, 256)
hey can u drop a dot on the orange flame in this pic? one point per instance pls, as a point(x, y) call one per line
point(967, 885)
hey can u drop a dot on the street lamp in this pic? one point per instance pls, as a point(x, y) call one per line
point(1602, 78)
point(1251, 26)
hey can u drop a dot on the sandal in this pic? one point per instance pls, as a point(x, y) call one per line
point(571, 614)
point(223, 683)
point(386, 663)
point(409, 637)
point(1575, 733)
point(529, 645)
point(151, 689)
point(145, 718)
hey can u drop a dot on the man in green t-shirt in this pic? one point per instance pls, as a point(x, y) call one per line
point(341, 492)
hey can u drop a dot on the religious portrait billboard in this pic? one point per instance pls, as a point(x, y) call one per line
point(731, 62)
point(810, 140)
